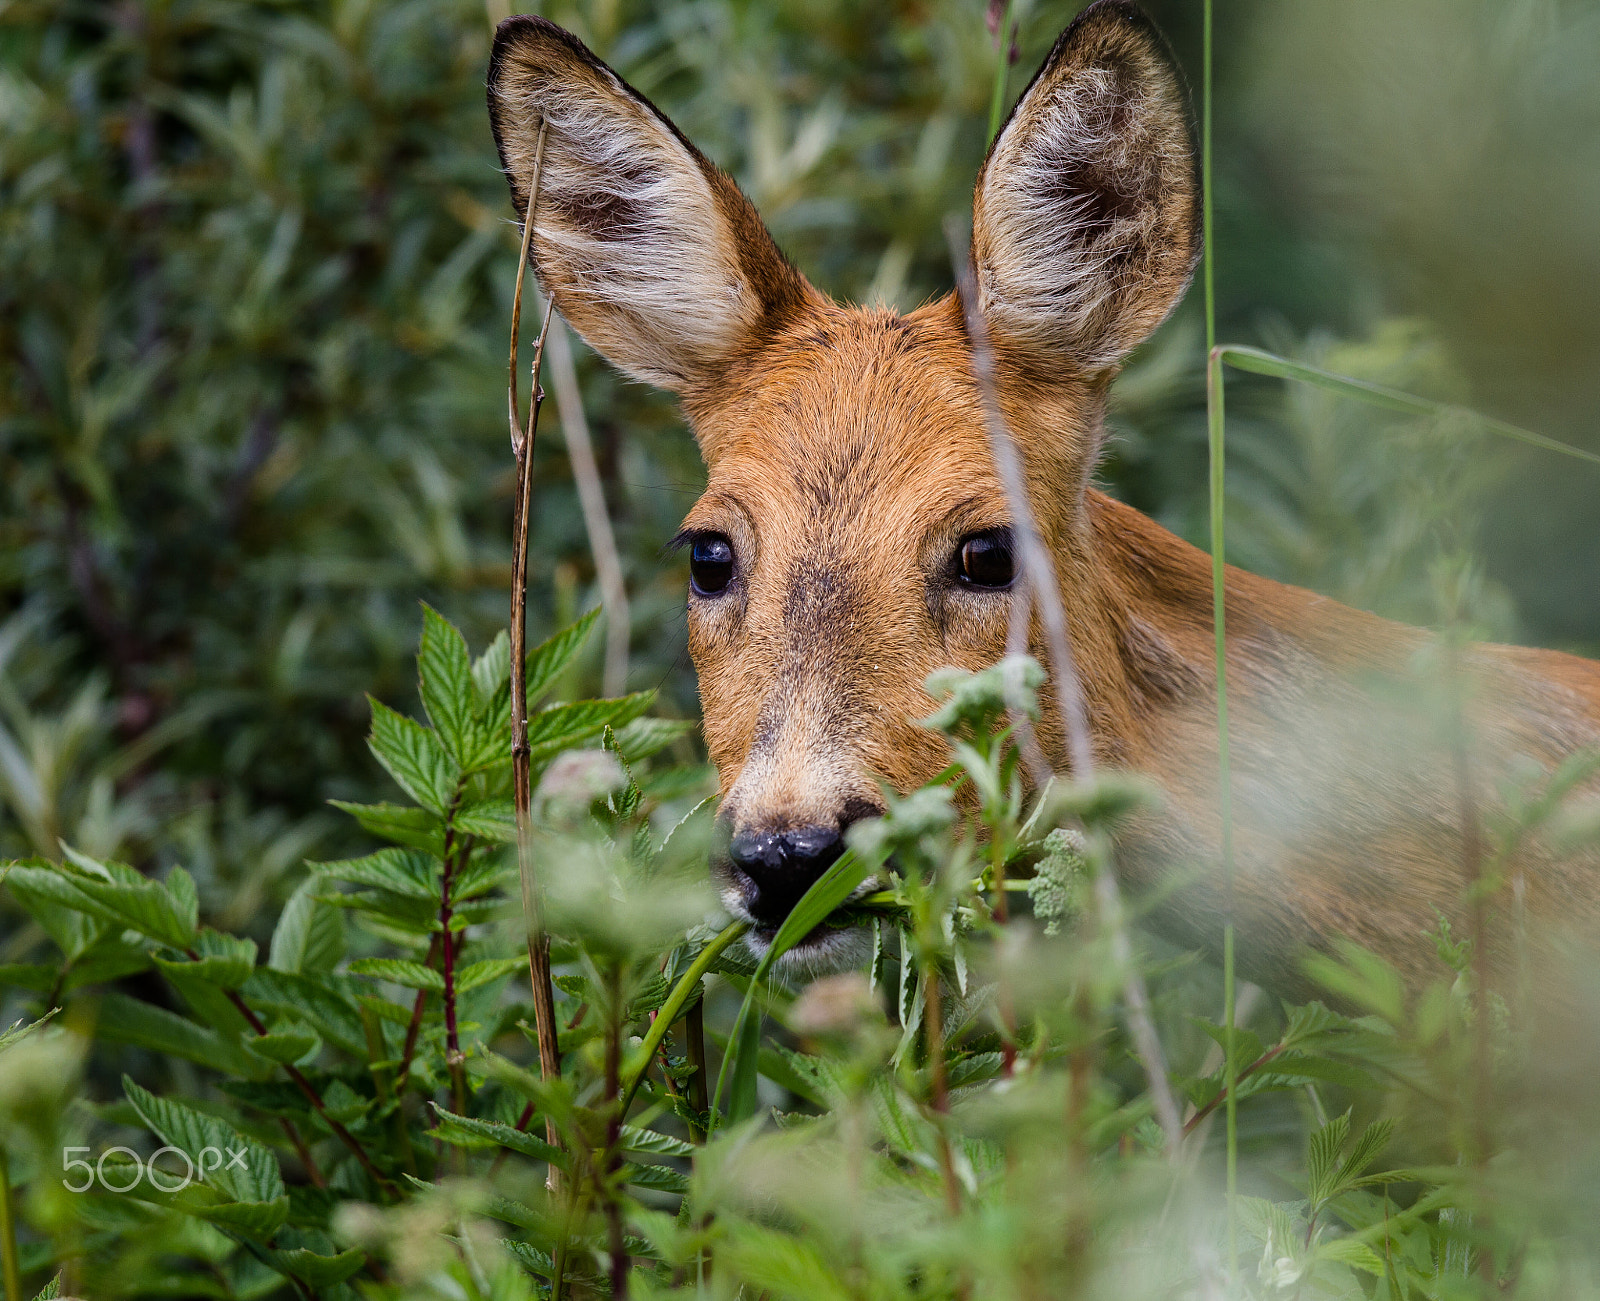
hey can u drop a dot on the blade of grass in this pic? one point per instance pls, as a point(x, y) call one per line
point(997, 98)
point(680, 995)
point(1259, 362)
point(1215, 429)
point(827, 892)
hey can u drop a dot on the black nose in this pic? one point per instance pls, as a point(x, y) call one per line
point(782, 865)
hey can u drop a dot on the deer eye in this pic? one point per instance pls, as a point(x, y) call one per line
point(985, 559)
point(710, 565)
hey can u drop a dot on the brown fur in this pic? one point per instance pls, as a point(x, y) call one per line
point(847, 458)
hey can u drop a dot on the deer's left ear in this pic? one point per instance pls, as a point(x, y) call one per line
point(1085, 220)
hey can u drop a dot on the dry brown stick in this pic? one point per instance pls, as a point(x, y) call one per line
point(544, 1008)
point(592, 501)
point(1038, 572)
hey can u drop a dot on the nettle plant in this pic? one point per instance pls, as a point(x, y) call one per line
point(362, 1113)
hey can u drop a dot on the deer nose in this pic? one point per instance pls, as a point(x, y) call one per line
point(782, 866)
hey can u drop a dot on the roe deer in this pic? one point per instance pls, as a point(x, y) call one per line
point(853, 535)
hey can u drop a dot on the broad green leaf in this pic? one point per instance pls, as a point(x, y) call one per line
point(32, 976)
point(258, 1220)
point(563, 726)
point(539, 1262)
point(481, 973)
point(52, 1290)
point(225, 961)
point(406, 826)
point(59, 910)
point(1352, 1252)
point(413, 975)
point(662, 1178)
point(110, 959)
point(323, 1001)
point(465, 1131)
point(309, 936)
point(400, 871)
point(746, 1042)
point(117, 894)
point(1322, 1158)
point(314, 1269)
point(287, 1042)
point(647, 736)
point(133, 1021)
point(494, 820)
point(781, 1265)
point(648, 1141)
point(444, 672)
point(492, 670)
point(547, 660)
point(482, 874)
point(237, 1166)
point(414, 757)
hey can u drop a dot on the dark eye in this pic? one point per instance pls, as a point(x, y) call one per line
point(985, 559)
point(710, 565)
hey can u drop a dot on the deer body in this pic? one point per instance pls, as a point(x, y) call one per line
point(853, 534)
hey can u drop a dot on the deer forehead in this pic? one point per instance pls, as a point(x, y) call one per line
point(856, 438)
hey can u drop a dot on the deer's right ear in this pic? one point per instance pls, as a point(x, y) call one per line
point(1085, 223)
point(649, 250)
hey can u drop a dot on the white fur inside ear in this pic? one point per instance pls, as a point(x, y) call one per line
point(1079, 222)
point(628, 233)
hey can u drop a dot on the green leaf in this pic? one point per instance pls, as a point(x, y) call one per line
point(406, 872)
point(59, 910)
point(482, 874)
point(1322, 1158)
point(52, 1290)
point(481, 973)
point(406, 826)
point(647, 736)
point(18, 1032)
point(746, 1063)
point(494, 820)
point(133, 1021)
point(491, 671)
point(414, 757)
point(118, 894)
point(547, 660)
point(287, 1044)
point(315, 1270)
point(563, 726)
point(32, 976)
point(662, 1178)
point(309, 936)
point(322, 1001)
point(237, 1166)
point(466, 1131)
point(110, 959)
point(648, 1141)
point(413, 975)
point(444, 672)
point(225, 961)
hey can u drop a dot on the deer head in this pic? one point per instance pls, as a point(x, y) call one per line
point(853, 536)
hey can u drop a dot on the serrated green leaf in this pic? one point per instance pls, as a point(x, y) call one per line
point(492, 670)
point(52, 1290)
point(239, 1167)
point(466, 1131)
point(287, 1043)
point(1322, 1158)
point(309, 936)
point(133, 1021)
point(549, 659)
point(324, 1001)
point(18, 1032)
point(482, 874)
point(115, 893)
point(648, 736)
point(648, 1141)
point(109, 959)
point(494, 820)
point(413, 755)
point(563, 726)
point(32, 976)
point(413, 975)
point(406, 826)
point(225, 961)
point(444, 672)
point(481, 973)
point(1350, 1251)
point(662, 1178)
point(315, 1270)
point(59, 910)
point(407, 872)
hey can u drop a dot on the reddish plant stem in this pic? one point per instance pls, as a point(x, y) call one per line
point(403, 1075)
point(1222, 1094)
point(311, 1095)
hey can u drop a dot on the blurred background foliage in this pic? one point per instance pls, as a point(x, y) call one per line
point(255, 271)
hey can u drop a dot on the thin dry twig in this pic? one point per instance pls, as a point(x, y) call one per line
point(544, 1008)
point(1037, 571)
point(592, 500)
